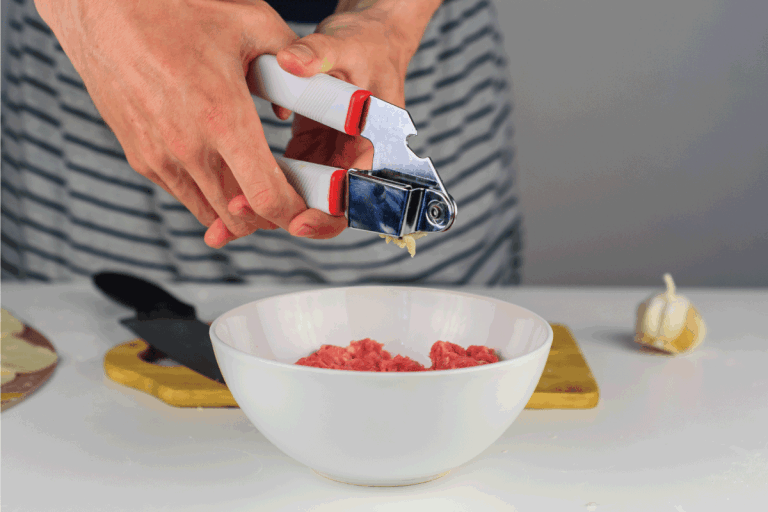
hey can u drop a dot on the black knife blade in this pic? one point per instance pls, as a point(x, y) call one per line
point(185, 341)
point(163, 321)
point(148, 299)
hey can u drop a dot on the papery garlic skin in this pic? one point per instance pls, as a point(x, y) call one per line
point(669, 322)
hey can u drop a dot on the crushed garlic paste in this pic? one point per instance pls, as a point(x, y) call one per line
point(408, 241)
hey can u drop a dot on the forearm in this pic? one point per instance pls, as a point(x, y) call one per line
point(406, 19)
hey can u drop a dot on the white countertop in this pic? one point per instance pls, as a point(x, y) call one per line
point(680, 434)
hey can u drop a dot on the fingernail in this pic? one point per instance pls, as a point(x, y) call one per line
point(306, 231)
point(301, 52)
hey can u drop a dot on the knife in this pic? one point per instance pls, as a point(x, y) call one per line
point(166, 323)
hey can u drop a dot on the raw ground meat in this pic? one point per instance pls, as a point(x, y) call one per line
point(369, 356)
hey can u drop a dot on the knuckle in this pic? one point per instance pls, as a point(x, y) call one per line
point(241, 229)
point(205, 213)
point(155, 158)
point(204, 216)
point(266, 204)
point(179, 144)
point(265, 224)
point(174, 179)
point(199, 207)
point(183, 149)
point(316, 41)
point(172, 175)
point(139, 165)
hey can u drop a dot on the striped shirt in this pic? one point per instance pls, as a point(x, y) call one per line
point(72, 206)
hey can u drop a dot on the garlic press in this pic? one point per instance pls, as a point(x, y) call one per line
point(401, 193)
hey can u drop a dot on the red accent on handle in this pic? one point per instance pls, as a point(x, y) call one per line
point(355, 112)
point(337, 193)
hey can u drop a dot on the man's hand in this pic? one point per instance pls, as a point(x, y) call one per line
point(367, 43)
point(169, 79)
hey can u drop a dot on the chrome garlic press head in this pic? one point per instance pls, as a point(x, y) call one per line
point(402, 193)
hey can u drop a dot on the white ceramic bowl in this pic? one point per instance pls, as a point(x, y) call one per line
point(373, 428)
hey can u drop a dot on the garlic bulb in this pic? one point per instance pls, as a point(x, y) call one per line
point(669, 322)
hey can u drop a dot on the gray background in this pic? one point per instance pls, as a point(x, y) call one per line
point(642, 139)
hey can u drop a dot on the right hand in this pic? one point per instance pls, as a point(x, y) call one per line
point(169, 79)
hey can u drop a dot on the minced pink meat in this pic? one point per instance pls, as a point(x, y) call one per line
point(369, 356)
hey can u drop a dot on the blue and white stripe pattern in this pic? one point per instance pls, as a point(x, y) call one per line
point(72, 206)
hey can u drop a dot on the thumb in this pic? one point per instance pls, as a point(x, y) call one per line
point(308, 56)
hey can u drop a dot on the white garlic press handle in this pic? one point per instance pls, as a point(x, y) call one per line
point(323, 98)
point(321, 187)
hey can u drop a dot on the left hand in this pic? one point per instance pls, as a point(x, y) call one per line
point(369, 47)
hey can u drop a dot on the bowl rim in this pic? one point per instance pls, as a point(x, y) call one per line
point(333, 371)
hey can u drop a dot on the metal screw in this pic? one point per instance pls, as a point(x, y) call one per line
point(436, 212)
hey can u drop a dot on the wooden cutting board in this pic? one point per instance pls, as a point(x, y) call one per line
point(566, 383)
point(24, 384)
